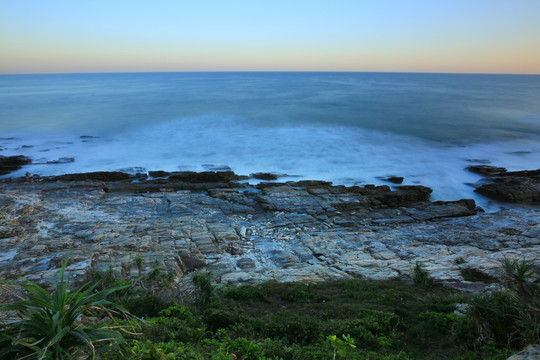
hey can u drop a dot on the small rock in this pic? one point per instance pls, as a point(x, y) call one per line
point(264, 176)
point(485, 169)
point(395, 179)
point(83, 234)
point(243, 231)
point(63, 160)
point(190, 262)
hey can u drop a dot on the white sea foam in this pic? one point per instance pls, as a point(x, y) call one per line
point(349, 128)
point(344, 155)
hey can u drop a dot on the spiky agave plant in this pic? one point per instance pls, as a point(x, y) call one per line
point(49, 326)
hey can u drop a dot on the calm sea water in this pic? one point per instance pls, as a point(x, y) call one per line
point(350, 128)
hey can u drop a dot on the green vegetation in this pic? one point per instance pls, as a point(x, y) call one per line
point(50, 325)
point(339, 319)
point(509, 317)
point(421, 276)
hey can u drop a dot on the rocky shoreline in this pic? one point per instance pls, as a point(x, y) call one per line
point(307, 231)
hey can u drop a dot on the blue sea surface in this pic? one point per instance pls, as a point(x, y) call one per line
point(350, 128)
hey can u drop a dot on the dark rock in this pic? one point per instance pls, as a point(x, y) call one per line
point(472, 274)
point(514, 189)
point(203, 177)
point(310, 183)
point(140, 176)
point(159, 173)
point(11, 163)
point(369, 189)
point(234, 250)
point(262, 186)
point(6, 232)
point(264, 176)
point(403, 195)
point(522, 173)
point(486, 169)
point(443, 209)
point(395, 179)
point(519, 152)
point(96, 176)
point(189, 262)
point(63, 160)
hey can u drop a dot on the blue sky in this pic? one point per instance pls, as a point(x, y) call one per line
point(486, 36)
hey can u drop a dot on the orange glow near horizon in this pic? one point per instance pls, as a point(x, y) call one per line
point(408, 36)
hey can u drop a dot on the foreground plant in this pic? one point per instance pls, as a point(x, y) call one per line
point(520, 277)
point(509, 317)
point(50, 326)
point(207, 290)
point(340, 346)
point(421, 276)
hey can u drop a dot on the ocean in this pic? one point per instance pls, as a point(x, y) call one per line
point(348, 128)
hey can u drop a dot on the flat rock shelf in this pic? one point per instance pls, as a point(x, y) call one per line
point(297, 231)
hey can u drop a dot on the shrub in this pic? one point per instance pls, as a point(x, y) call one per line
point(176, 323)
point(247, 292)
point(49, 328)
point(495, 316)
point(421, 276)
point(148, 305)
point(158, 278)
point(207, 290)
point(340, 346)
point(519, 277)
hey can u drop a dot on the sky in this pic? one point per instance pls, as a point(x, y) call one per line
point(457, 36)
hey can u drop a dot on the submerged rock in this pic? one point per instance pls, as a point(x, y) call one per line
point(9, 164)
point(264, 176)
point(486, 169)
point(395, 179)
point(63, 160)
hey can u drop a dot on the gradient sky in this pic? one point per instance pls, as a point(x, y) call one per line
point(479, 36)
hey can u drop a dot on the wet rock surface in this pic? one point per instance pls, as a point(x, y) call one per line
point(486, 169)
point(395, 179)
point(514, 187)
point(9, 164)
point(296, 231)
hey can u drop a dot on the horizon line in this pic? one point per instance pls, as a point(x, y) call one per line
point(268, 71)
